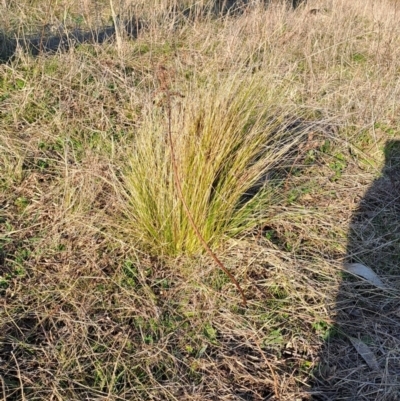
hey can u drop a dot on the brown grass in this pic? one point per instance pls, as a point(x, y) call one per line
point(89, 313)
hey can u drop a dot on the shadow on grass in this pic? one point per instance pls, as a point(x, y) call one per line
point(366, 316)
point(42, 43)
point(62, 40)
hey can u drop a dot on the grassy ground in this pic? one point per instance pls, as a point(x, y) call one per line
point(282, 126)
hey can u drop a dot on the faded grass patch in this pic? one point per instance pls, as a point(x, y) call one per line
point(86, 313)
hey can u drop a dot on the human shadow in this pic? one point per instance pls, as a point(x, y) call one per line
point(360, 359)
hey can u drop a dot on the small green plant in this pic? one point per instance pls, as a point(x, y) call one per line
point(210, 332)
point(129, 278)
point(4, 281)
point(325, 329)
point(274, 338)
point(386, 128)
point(326, 146)
point(21, 202)
point(359, 58)
point(338, 166)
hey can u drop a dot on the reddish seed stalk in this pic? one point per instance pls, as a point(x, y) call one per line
point(187, 210)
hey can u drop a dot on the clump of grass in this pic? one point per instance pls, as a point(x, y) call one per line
point(226, 139)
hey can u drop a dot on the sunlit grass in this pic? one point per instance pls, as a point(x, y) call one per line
point(279, 121)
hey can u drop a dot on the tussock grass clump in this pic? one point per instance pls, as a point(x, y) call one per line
point(226, 140)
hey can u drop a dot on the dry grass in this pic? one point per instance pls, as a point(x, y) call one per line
point(94, 307)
